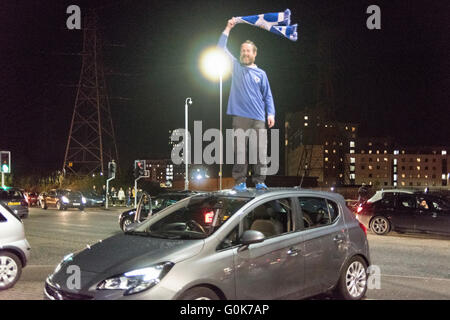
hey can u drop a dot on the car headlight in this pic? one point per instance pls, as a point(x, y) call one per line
point(137, 280)
point(65, 199)
point(83, 199)
point(67, 258)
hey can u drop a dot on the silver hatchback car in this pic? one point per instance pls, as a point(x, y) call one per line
point(275, 244)
point(14, 247)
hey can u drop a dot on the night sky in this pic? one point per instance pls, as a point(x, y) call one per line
point(393, 82)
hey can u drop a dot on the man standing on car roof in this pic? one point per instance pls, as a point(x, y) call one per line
point(249, 101)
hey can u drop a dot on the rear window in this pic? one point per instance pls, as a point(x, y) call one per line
point(10, 211)
point(11, 194)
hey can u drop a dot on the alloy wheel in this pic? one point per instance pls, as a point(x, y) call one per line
point(380, 225)
point(8, 271)
point(356, 279)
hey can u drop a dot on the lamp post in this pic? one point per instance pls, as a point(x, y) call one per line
point(186, 144)
point(215, 64)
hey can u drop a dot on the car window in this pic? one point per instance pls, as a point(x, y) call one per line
point(272, 218)
point(387, 202)
point(424, 204)
point(11, 195)
point(334, 210)
point(438, 204)
point(406, 202)
point(315, 212)
point(194, 218)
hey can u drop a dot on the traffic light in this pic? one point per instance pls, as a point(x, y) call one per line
point(139, 168)
point(5, 161)
point(112, 166)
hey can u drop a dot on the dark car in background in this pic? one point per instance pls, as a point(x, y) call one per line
point(407, 212)
point(148, 205)
point(93, 199)
point(63, 199)
point(15, 199)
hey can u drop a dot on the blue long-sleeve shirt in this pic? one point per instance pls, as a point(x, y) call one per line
point(250, 94)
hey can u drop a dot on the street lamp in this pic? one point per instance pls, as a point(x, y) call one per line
point(186, 144)
point(215, 65)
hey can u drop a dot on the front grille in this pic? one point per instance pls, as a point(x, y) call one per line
point(62, 295)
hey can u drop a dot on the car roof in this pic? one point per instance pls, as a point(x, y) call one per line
point(252, 193)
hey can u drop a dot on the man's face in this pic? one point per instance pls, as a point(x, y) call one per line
point(248, 54)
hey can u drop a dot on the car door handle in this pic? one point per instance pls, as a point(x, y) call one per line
point(293, 252)
point(338, 239)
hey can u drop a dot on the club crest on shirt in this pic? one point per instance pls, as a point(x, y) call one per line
point(257, 80)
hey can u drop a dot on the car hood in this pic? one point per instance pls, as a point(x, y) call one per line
point(122, 253)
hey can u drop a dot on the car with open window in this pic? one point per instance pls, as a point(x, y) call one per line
point(274, 244)
point(416, 212)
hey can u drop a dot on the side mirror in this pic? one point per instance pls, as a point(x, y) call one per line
point(252, 236)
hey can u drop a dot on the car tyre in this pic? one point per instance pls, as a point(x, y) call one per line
point(126, 222)
point(81, 208)
point(352, 284)
point(380, 225)
point(10, 270)
point(199, 293)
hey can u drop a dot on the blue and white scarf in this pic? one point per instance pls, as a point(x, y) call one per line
point(276, 22)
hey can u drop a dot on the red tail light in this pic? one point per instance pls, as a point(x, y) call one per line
point(363, 227)
point(209, 216)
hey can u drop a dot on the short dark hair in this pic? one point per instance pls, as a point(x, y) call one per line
point(255, 48)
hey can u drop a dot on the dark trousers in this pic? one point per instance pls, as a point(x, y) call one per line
point(240, 170)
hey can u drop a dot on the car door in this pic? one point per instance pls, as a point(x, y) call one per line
point(144, 208)
point(403, 217)
point(274, 268)
point(51, 198)
point(432, 215)
point(325, 242)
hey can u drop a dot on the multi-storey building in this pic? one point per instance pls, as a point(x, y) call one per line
point(316, 146)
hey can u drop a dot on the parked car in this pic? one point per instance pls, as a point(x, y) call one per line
point(32, 198)
point(63, 199)
point(407, 212)
point(15, 200)
point(14, 247)
point(147, 208)
point(93, 199)
point(275, 244)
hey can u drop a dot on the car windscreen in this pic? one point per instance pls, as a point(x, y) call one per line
point(192, 218)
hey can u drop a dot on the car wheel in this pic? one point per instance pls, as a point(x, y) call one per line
point(352, 284)
point(126, 222)
point(43, 205)
point(380, 225)
point(199, 293)
point(81, 208)
point(10, 270)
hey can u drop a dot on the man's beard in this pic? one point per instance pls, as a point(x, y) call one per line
point(247, 60)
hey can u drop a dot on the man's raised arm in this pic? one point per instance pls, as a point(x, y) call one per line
point(224, 36)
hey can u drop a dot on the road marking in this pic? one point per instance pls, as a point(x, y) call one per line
point(414, 277)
